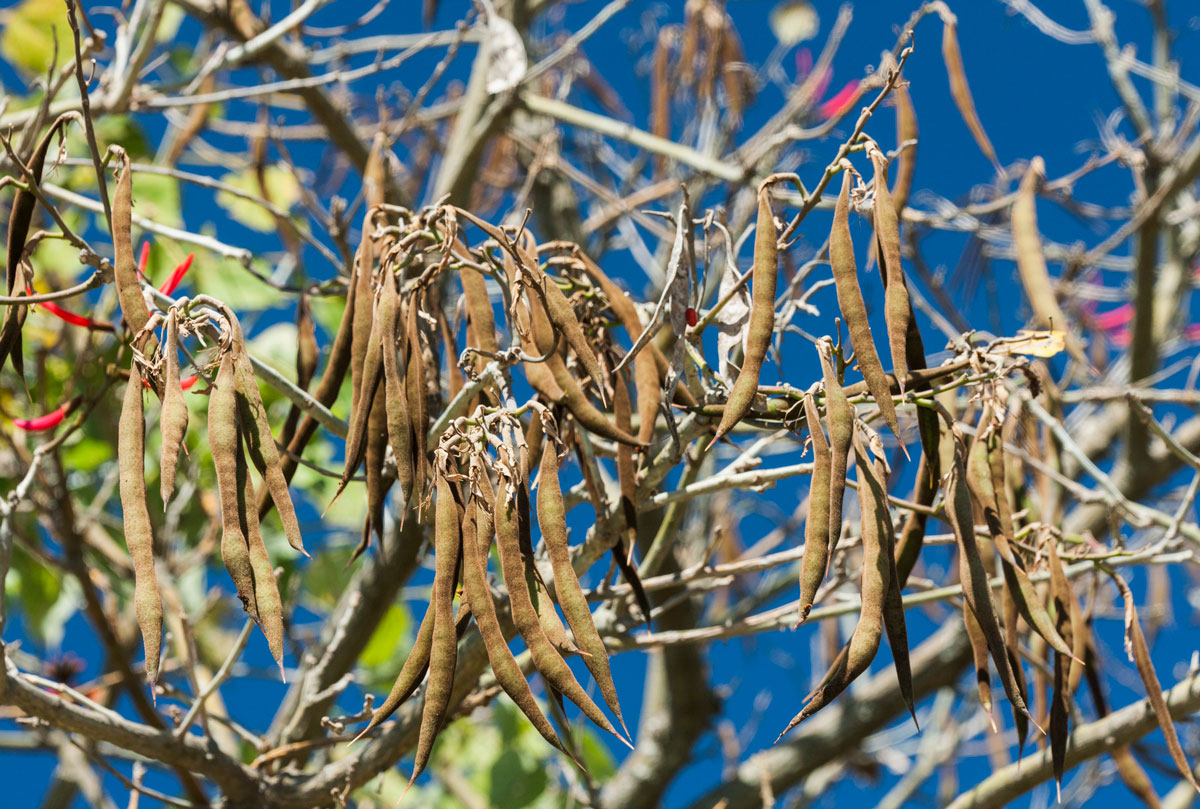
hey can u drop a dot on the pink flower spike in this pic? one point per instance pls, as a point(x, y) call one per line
point(144, 259)
point(1121, 337)
point(188, 382)
point(177, 276)
point(1117, 317)
point(1192, 331)
point(840, 102)
point(50, 420)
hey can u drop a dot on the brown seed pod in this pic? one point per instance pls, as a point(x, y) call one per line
point(546, 659)
point(223, 439)
point(960, 91)
point(896, 307)
point(906, 130)
point(139, 536)
point(815, 563)
point(839, 415)
point(260, 443)
point(174, 420)
point(267, 602)
point(762, 318)
point(415, 394)
point(399, 426)
point(129, 288)
point(552, 519)
point(20, 219)
point(854, 308)
point(443, 652)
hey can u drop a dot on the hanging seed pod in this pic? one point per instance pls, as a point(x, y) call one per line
point(960, 91)
point(553, 522)
point(627, 480)
point(370, 374)
point(1139, 653)
point(378, 483)
point(223, 439)
point(20, 219)
point(415, 395)
point(897, 310)
point(864, 642)
point(410, 676)
point(839, 415)
point(139, 536)
point(854, 308)
point(546, 659)
point(399, 426)
point(977, 590)
point(906, 130)
point(443, 652)
point(1021, 718)
point(1031, 262)
point(129, 288)
point(815, 563)
point(979, 657)
point(762, 318)
point(261, 445)
point(504, 665)
point(174, 421)
point(268, 604)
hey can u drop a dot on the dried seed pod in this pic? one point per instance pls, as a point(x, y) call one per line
point(839, 415)
point(816, 524)
point(139, 536)
point(546, 659)
point(415, 395)
point(896, 307)
point(979, 657)
point(977, 590)
point(906, 130)
point(864, 642)
point(552, 519)
point(261, 445)
point(1031, 263)
point(174, 421)
point(378, 483)
point(854, 308)
point(504, 665)
point(762, 318)
point(20, 219)
point(129, 288)
point(267, 602)
point(410, 676)
point(960, 91)
point(443, 653)
point(399, 426)
point(1139, 653)
point(223, 439)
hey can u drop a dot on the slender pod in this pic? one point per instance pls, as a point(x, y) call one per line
point(307, 357)
point(977, 589)
point(443, 652)
point(552, 624)
point(897, 309)
point(761, 326)
point(993, 504)
point(1031, 262)
point(912, 534)
point(979, 658)
point(415, 395)
point(363, 315)
point(410, 676)
point(370, 374)
point(1076, 630)
point(139, 536)
point(129, 288)
point(877, 520)
point(960, 91)
point(479, 312)
point(1139, 653)
point(378, 482)
point(20, 219)
point(552, 519)
point(816, 525)
point(504, 665)
point(266, 589)
point(223, 438)
point(906, 132)
point(262, 450)
point(864, 641)
point(1064, 606)
point(854, 308)
point(1021, 718)
point(546, 659)
point(399, 426)
point(174, 420)
point(839, 415)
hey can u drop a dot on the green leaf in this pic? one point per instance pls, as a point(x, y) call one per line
point(390, 640)
point(515, 781)
point(156, 198)
point(282, 188)
point(29, 35)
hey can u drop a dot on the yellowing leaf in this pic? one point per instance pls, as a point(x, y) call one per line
point(282, 189)
point(29, 32)
point(1034, 343)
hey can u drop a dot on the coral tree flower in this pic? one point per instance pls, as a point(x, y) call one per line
point(50, 420)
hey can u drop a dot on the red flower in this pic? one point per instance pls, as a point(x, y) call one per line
point(841, 102)
point(172, 283)
point(50, 420)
